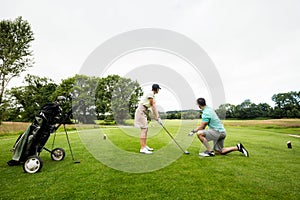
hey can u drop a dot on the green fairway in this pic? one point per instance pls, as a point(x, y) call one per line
point(271, 172)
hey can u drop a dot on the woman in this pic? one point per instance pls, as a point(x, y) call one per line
point(140, 119)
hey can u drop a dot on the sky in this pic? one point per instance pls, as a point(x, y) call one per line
point(254, 44)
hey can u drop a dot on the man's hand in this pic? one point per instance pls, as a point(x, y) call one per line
point(192, 132)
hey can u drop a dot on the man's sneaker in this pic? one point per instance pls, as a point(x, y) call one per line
point(207, 153)
point(149, 148)
point(242, 149)
point(145, 151)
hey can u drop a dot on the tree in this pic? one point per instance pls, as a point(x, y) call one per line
point(173, 115)
point(104, 90)
point(190, 114)
point(226, 111)
point(124, 99)
point(66, 88)
point(247, 110)
point(27, 100)
point(117, 98)
point(15, 53)
point(265, 110)
point(83, 97)
point(287, 104)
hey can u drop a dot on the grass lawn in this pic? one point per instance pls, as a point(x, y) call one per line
point(271, 172)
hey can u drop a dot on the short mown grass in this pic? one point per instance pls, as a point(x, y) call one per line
point(271, 172)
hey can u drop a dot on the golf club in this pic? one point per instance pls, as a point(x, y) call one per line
point(185, 152)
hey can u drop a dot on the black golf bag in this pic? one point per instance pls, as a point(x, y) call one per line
point(30, 144)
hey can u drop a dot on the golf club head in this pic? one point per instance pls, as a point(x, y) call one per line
point(186, 152)
point(76, 162)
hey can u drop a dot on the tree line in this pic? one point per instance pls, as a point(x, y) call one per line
point(287, 105)
point(111, 97)
point(116, 98)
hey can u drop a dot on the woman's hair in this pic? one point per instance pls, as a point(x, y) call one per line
point(201, 102)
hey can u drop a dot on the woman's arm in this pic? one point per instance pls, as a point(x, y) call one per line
point(154, 109)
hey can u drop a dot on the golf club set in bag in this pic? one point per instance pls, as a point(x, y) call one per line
point(30, 144)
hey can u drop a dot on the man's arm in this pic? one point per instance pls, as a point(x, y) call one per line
point(201, 127)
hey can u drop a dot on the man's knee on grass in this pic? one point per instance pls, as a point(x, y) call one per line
point(217, 152)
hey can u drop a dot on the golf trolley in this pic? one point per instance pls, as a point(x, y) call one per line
point(30, 144)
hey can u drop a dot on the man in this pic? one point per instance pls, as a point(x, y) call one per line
point(215, 133)
point(141, 114)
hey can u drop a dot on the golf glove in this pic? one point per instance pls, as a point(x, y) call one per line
point(160, 121)
point(192, 133)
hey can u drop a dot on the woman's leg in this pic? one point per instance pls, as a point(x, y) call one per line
point(143, 137)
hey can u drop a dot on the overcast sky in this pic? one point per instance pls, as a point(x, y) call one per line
point(254, 44)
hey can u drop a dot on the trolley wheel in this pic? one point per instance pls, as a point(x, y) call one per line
point(33, 164)
point(58, 154)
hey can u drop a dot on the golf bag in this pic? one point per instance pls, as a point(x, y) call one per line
point(29, 145)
